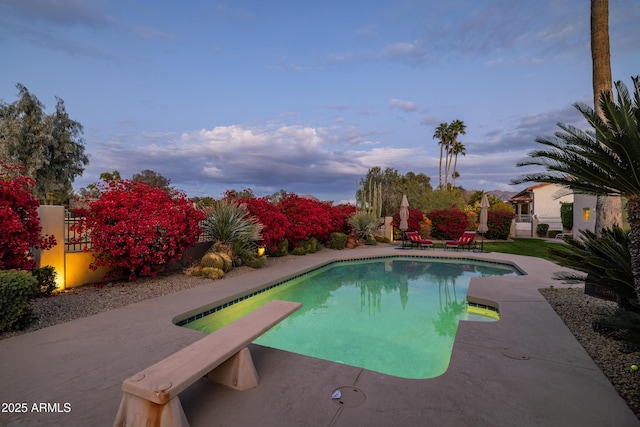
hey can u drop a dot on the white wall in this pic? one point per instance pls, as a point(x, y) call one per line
point(580, 203)
point(545, 201)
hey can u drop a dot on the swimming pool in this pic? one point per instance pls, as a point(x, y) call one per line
point(394, 315)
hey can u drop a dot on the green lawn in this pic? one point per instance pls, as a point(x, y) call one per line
point(529, 247)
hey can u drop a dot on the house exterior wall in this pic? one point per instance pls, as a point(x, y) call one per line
point(582, 202)
point(545, 203)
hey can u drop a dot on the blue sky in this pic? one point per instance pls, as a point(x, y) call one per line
point(307, 96)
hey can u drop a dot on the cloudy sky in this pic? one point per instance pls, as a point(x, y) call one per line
point(307, 96)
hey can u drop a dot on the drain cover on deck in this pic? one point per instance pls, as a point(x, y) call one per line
point(349, 397)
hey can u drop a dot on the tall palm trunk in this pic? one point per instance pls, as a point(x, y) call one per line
point(441, 149)
point(455, 167)
point(447, 165)
point(608, 208)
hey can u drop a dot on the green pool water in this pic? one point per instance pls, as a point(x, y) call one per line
point(397, 315)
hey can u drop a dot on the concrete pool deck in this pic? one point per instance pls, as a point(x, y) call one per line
point(526, 369)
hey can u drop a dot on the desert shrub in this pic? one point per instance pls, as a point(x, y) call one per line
point(542, 230)
point(255, 262)
point(425, 228)
point(46, 277)
point(499, 222)
point(137, 229)
point(229, 223)
point(363, 224)
point(310, 246)
point(19, 221)
point(299, 250)
point(338, 240)
point(17, 288)
point(282, 249)
point(448, 224)
point(370, 241)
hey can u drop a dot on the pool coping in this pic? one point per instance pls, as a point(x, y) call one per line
point(526, 368)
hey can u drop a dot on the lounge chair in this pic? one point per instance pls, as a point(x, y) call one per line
point(415, 239)
point(465, 241)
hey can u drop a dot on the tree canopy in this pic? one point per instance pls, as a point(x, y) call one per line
point(49, 146)
point(417, 187)
point(152, 178)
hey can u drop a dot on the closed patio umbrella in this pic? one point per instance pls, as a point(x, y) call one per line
point(483, 225)
point(404, 216)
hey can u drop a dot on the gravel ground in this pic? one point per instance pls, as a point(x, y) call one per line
point(92, 299)
point(576, 309)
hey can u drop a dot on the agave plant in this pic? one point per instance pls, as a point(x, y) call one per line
point(229, 223)
point(604, 259)
point(363, 224)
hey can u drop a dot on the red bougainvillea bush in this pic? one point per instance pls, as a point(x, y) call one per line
point(293, 218)
point(308, 218)
point(19, 222)
point(499, 222)
point(448, 224)
point(415, 217)
point(138, 230)
point(275, 223)
point(339, 218)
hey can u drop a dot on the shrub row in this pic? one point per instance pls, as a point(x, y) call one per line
point(449, 224)
point(297, 221)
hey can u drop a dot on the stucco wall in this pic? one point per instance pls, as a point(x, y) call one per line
point(546, 203)
point(580, 203)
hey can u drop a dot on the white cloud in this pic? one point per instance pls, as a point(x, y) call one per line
point(406, 106)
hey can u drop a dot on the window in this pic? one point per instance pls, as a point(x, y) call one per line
point(586, 214)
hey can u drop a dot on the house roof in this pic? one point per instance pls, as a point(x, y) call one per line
point(522, 198)
point(525, 195)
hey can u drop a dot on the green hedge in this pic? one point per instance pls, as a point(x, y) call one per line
point(17, 288)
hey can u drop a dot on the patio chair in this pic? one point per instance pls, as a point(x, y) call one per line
point(415, 239)
point(465, 241)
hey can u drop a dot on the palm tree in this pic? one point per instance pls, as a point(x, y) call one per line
point(457, 149)
point(442, 135)
point(602, 161)
point(608, 208)
point(456, 127)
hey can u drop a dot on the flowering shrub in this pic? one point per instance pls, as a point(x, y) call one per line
point(308, 218)
point(275, 222)
point(19, 221)
point(340, 218)
point(137, 230)
point(499, 222)
point(448, 224)
point(425, 228)
point(415, 217)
